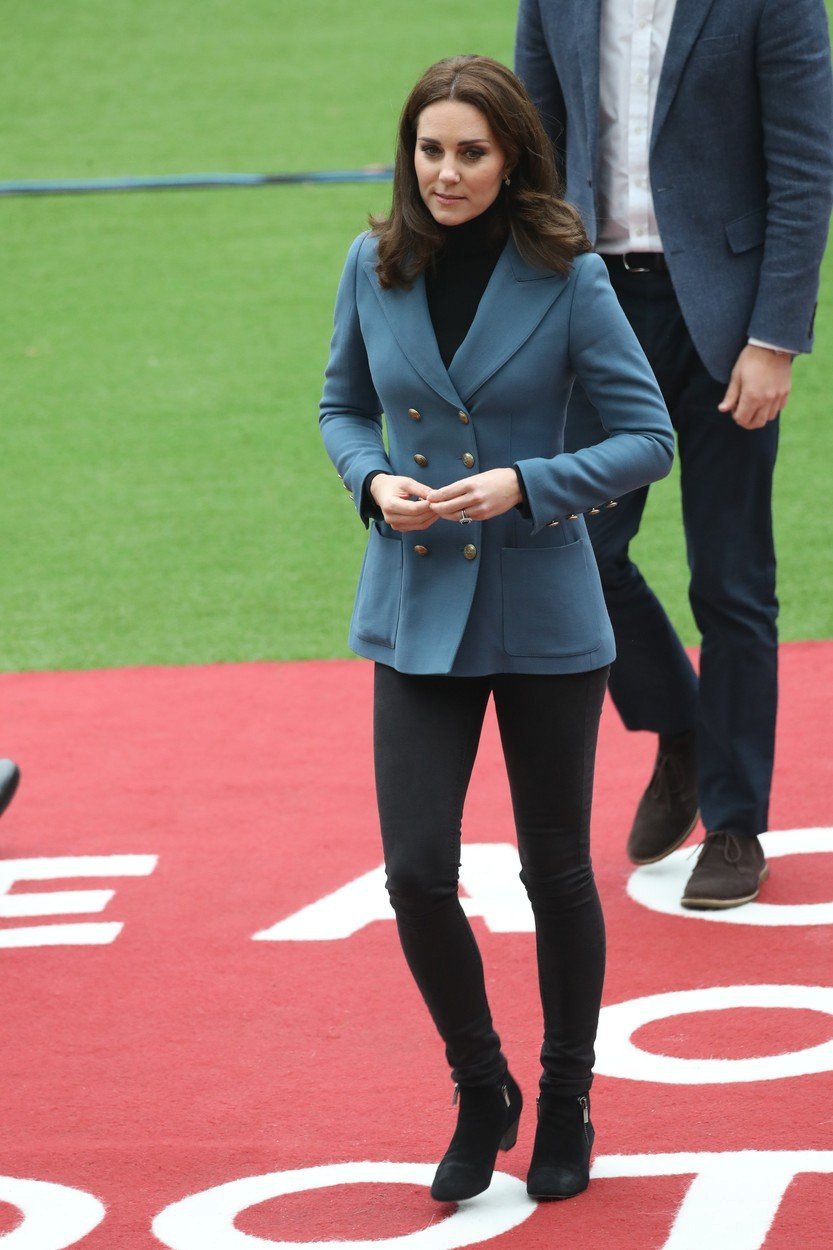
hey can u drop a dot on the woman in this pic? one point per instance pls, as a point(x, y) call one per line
point(465, 317)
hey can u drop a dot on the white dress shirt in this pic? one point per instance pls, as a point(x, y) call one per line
point(632, 42)
point(633, 38)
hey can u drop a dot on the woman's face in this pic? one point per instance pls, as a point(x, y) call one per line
point(458, 163)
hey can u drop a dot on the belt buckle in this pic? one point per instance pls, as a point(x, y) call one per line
point(633, 268)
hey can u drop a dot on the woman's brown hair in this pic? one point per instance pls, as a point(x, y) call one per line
point(547, 231)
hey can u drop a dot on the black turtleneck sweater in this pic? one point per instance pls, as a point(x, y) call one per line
point(459, 274)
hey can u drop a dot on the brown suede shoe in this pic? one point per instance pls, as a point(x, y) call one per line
point(728, 872)
point(667, 811)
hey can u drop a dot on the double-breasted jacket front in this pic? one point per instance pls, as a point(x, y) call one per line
point(511, 594)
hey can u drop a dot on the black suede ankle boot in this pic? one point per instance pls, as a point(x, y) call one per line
point(487, 1122)
point(560, 1166)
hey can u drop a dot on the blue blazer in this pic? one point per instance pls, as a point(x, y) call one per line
point(509, 594)
point(741, 158)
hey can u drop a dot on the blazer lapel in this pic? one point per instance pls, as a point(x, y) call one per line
point(688, 19)
point(513, 304)
point(408, 317)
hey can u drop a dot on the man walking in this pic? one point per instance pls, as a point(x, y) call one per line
point(695, 138)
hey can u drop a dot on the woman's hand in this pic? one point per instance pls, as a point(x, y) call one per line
point(402, 512)
point(482, 496)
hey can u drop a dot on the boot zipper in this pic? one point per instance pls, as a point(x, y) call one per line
point(585, 1115)
point(504, 1090)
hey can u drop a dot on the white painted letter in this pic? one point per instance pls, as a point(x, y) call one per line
point(616, 1054)
point(207, 1219)
point(64, 902)
point(488, 875)
point(54, 1216)
point(734, 1198)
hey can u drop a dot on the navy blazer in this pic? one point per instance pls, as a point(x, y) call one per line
point(508, 594)
point(741, 162)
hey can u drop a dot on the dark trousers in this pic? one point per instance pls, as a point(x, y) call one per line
point(426, 733)
point(726, 475)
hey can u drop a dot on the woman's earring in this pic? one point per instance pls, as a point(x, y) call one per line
point(506, 180)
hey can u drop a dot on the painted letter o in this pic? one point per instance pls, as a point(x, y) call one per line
point(616, 1054)
point(207, 1218)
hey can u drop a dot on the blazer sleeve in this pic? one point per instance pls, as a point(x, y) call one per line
point(534, 66)
point(611, 366)
point(350, 415)
point(796, 94)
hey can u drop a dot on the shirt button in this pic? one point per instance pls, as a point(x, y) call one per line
point(468, 460)
point(414, 415)
point(470, 551)
point(422, 461)
point(464, 417)
point(420, 550)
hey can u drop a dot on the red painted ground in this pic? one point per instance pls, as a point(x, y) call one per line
point(184, 1054)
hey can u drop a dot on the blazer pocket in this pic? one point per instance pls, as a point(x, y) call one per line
point(552, 601)
point(716, 45)
point(376, 612)
point(747, 231)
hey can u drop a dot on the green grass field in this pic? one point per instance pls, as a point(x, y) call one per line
point(164, 497)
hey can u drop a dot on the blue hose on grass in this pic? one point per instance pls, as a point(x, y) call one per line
point(190, 182)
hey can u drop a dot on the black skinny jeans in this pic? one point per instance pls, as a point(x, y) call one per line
point(426, 733)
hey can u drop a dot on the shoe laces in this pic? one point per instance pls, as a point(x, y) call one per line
point(667, 774)
point(731, 847)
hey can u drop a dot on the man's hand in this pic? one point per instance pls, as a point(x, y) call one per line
point(759, 386)
point(402, 512)
point(482, 496)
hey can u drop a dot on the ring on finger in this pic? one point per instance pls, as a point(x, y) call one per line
point(464, 520)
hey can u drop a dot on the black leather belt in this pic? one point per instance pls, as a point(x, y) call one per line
point(637, 262)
